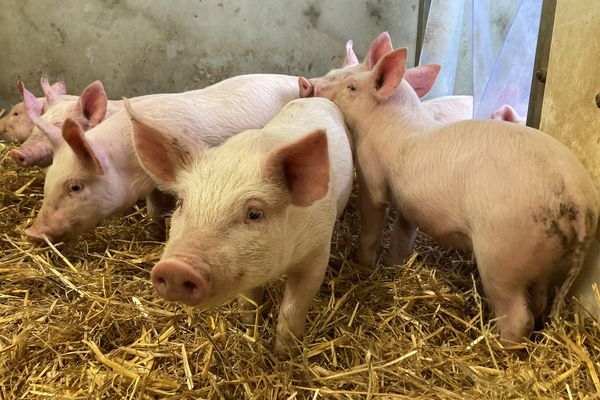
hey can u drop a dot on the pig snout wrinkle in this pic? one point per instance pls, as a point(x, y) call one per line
point(19, 157)
point(177, 281)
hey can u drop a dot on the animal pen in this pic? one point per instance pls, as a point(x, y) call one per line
point(79, 319)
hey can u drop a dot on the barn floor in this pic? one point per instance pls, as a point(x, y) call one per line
point(81, 321)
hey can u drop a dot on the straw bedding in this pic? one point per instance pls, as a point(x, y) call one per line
point(81, 321)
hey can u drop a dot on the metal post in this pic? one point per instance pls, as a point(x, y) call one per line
point(542, 54)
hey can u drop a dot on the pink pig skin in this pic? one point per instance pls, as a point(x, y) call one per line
point(88, 110)
point(16, 126)
point(99, 173)
point(509, 114)
point(445, 109)
point(514, 196)
point(261, 205)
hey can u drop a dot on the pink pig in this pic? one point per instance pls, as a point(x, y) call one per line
point(97, 175)
point(88, 110)
point(261, 205)
point(514, 196)
point(16, 126)
point(422, 78)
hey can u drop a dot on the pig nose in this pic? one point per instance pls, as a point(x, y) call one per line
point(20, 158)
point(175, 280)
point(36, 235)
point(305, 86)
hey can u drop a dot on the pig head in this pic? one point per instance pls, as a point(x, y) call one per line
point(88, 111)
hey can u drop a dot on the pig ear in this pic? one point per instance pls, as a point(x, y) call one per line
point(381, 46)
point(33, 109)
point(305, 87)
point(92, 104)
point(388, 73)
point(52, 93)
point(506, 113)
point(303, 167)
point(160, 153)
point(422, 78)
point(74, 136)
point(350, 58)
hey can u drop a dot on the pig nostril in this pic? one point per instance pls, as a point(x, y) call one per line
point(161, 281)
point(190, 286)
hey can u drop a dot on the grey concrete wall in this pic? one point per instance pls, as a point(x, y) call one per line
point(140, 46)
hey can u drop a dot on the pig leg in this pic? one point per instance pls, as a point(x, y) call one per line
point(159, 205)
point(402, 240)
point(509, 300)
point(303, 283)
point(251, 302)
point(373, 210)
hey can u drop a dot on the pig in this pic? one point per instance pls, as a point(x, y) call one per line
point(509, 114)
point(515, 197)
point(97, 175)
point(89, 109)
point(16, 125)
point(261, 205)
point(422, 78)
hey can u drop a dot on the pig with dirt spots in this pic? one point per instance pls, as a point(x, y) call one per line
point(514, 196)
point(422, 78)
point(88, 110)
point(16, 126)
point(98, 175)
point(261, 205)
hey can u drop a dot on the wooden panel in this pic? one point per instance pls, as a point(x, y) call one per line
point(569, 110)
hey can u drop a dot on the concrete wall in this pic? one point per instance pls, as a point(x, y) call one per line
point(147, 46)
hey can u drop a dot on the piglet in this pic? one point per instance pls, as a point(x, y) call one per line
point(261, 205)
point(516, 197)
point(445, 109)
point(97, 175)
point(16, 126)
point(88, 110)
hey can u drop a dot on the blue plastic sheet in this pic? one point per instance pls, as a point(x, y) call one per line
point(502, 67)
point(510, 79)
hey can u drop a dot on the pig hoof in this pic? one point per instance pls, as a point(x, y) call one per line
point(285, 350)
point(177, 281)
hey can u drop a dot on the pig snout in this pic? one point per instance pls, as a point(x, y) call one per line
point(306, 87)
point(22, 158)
point(36, 234)
point(175, 280)
point(30, 157)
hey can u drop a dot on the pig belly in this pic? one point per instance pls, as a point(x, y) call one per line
point(449, 232)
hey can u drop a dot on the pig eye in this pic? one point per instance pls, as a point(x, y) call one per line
point(254, 214)
point(15, 114)
point(75, 187)
point(352, 87)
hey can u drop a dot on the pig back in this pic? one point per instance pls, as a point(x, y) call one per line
point(494, 168)
point(302, 116)
point(211, 115)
